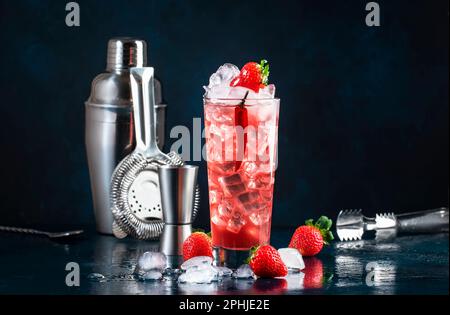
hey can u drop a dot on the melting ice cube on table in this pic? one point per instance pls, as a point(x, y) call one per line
point(243, 272)
point(204, 275)
point(152, 261)
point(196, 262)
point(200, 272)
point(292, 258)
point(223, 271)
point(150, 275)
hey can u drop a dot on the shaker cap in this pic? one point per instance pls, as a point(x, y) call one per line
point(126, 52)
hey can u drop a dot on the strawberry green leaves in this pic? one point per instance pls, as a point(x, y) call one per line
point(264, 71)
point(324, 225)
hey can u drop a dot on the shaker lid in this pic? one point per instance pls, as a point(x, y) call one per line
point(126, 52)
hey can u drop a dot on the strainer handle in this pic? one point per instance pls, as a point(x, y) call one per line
point(143, 94)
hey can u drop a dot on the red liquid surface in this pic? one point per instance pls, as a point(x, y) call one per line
point(241, 172)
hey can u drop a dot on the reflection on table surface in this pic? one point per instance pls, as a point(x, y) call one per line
point(401, 266)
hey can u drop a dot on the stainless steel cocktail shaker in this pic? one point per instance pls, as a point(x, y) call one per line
point(109, 130)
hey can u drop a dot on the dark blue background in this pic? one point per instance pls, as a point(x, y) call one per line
point(364, 111)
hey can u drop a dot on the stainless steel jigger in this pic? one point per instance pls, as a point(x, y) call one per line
point(177, 184)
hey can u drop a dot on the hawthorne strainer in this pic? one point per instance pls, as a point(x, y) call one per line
point(135, 192)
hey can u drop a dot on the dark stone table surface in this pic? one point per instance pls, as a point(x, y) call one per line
point(407, 265)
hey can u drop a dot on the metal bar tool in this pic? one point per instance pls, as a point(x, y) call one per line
point(353, 225)
point(52, 235)
point(177, 185)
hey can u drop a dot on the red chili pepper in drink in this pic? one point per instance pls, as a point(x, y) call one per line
point(241, 119)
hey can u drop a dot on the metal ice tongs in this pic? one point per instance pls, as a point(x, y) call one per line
point(352, 224)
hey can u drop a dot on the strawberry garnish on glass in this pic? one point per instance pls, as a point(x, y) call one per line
point(253, 76)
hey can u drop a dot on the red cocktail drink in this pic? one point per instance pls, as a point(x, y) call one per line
point(241, 142)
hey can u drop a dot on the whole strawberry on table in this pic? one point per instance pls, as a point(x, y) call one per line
point(197, 244)
point(309, 239)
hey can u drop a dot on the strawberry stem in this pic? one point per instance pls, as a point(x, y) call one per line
point(264, 71)
point(252, 252)
point(323, 224)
